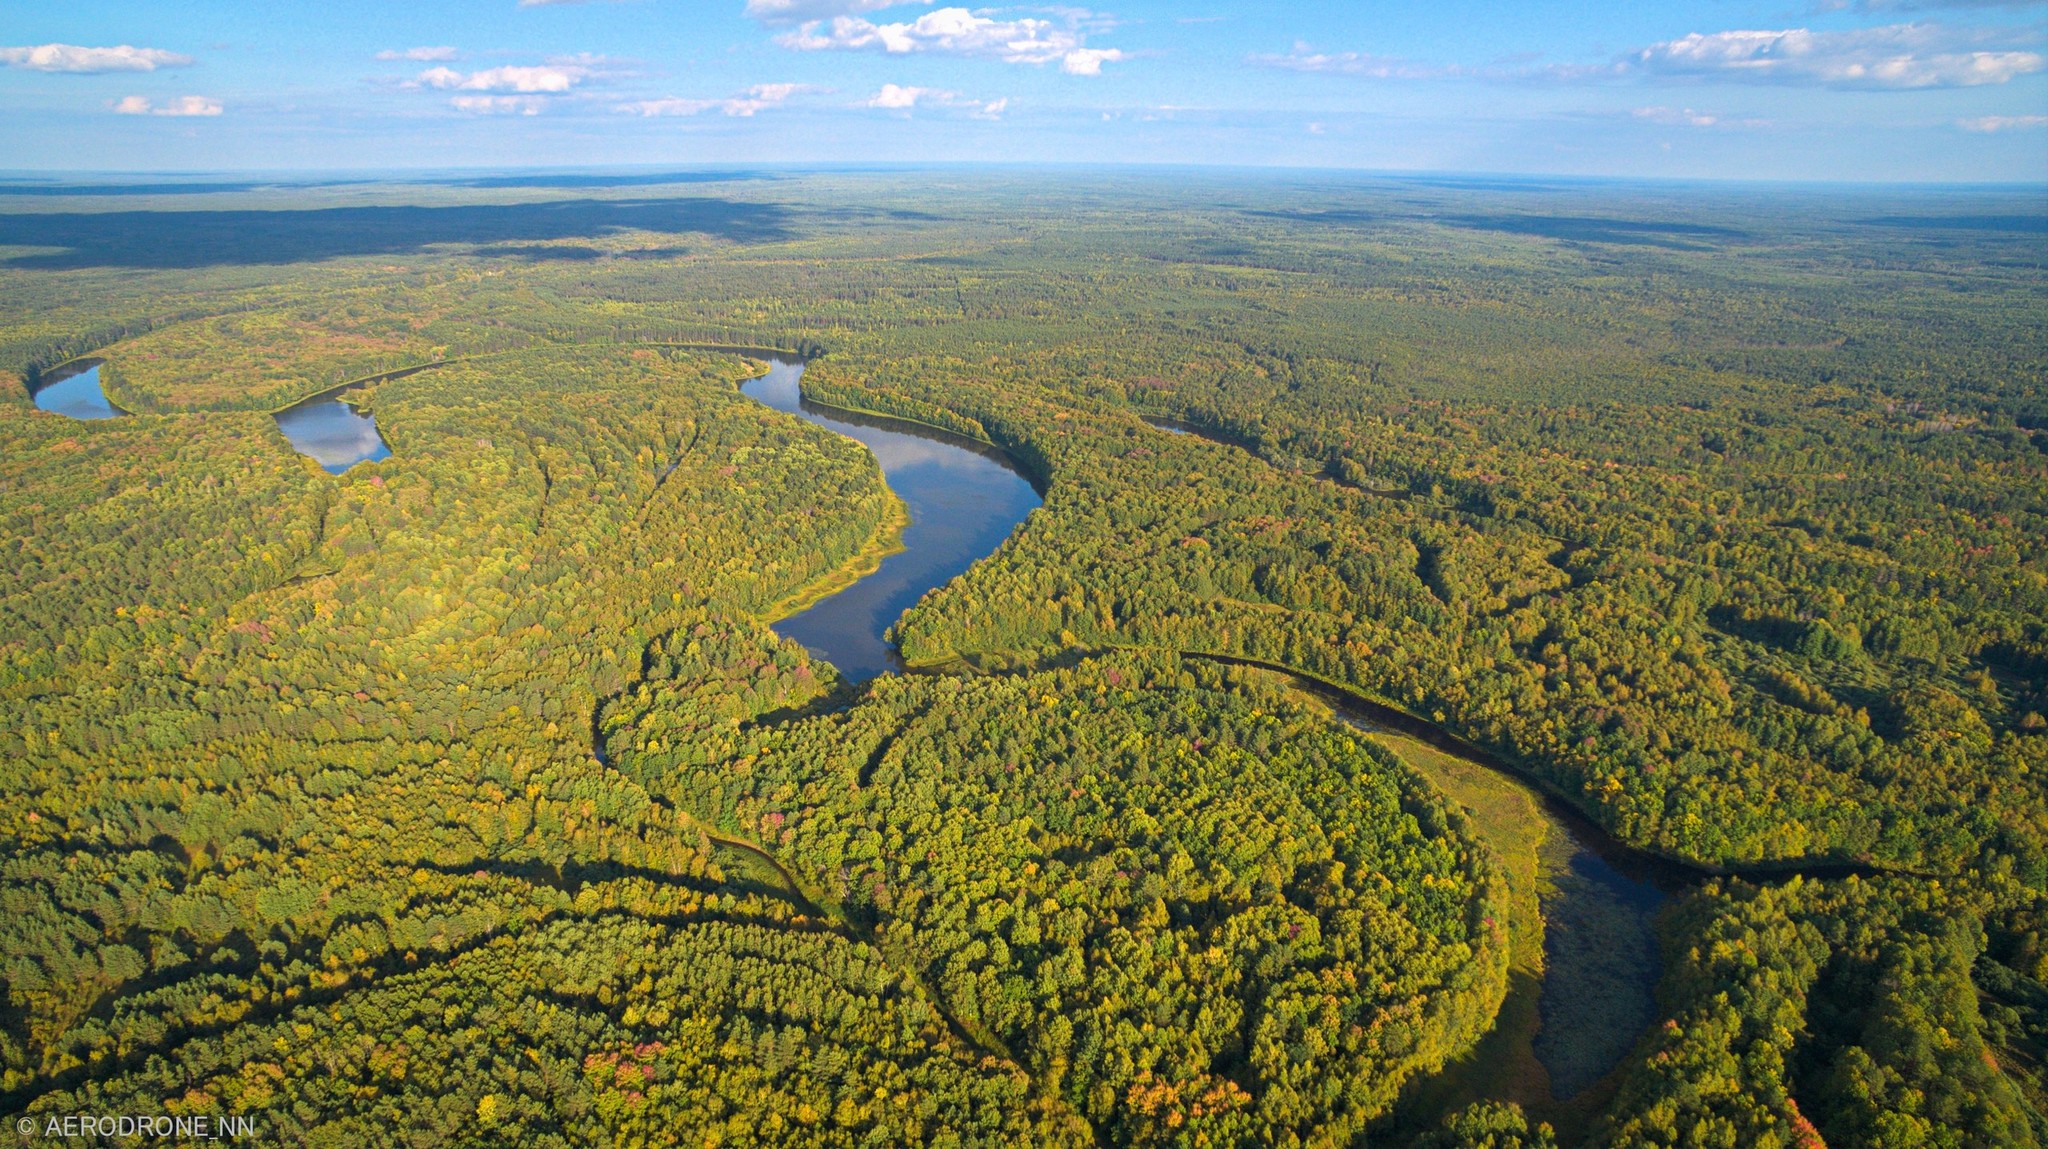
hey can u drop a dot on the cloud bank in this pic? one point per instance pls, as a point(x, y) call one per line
point(959, 32)
point(1988, 124)
point(1305, 59)
point(1868, 6)
point(182, 106)
point(514, 88)
point(512, 78)
point(72, 58)
point(1897, 56)
point(499, 105)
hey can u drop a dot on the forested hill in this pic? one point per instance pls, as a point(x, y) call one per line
point(473, 782)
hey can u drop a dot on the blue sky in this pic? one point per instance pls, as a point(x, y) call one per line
point(1920, 90)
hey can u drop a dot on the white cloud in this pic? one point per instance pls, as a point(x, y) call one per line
point(776, 93)
point(754, 99)
point(421, 55)
point(671, 106)
point(511, 78)
point(2002, 123)
point(898, 97)
point(499, 105)
point(515, 88)
point(72, 58)
point(1089, 61)
point(959, 32)
point(1305, 59)
point(761, 96)
point(1897, 56)
point(182, 106)
point(797, 11)
point(190, 106)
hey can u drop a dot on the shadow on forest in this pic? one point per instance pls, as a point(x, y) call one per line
point(1580, 229)
point(33, 187)
point(38, 188)
point(2026, 224)
point(1486, 183)
point(1327, 216)
point(1589, 229)
point(185, 239)
point(595, 180)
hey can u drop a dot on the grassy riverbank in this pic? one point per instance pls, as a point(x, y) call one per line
point(1533, 848)
point(1530, 845)
point(1511, 820)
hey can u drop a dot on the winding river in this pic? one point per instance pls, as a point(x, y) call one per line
point(1599, 899)
point(964, 500)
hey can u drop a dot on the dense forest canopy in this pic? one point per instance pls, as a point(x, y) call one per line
point(469, 792)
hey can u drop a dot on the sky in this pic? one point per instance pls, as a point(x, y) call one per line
point(1860, 90)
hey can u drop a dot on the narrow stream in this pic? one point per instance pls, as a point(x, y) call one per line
point(964, 500)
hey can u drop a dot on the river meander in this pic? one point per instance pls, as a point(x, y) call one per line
point(1598, 900)
point(964, 500)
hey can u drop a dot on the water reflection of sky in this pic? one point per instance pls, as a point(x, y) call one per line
point(333, 434)
point(962, 504)
point(78, 396)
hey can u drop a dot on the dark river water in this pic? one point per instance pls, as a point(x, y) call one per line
point(1599, 902)
point(332, 434)
point(1600, 965)
point(964, 500)
point(77, 395)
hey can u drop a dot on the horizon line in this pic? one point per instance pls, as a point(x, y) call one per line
point(398, 174)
